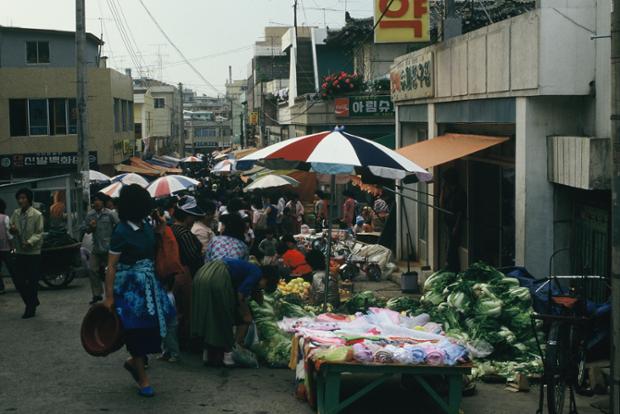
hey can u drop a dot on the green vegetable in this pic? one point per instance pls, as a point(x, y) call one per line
point(458, 301)
point(520, 293)
point(490, 307)
point(360, 302)
point(432, 297)
point(402, 304)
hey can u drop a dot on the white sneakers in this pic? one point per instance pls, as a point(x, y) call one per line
point(228, 359)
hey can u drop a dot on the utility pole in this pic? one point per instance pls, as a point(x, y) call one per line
point(83, 165)
point(615, 207)
point(452, 26)
point(181, 123)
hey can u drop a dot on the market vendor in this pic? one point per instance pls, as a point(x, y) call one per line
point(220, 294)
point(293, 259)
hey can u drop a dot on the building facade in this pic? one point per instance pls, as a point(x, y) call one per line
point(158, 117)
point(544, 186)
point(38, 114)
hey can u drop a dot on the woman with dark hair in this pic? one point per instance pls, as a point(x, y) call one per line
point(231, 243)
point(220, 295)
point(131, 286)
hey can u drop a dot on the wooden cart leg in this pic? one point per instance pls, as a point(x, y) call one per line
point(332, 392)
point(455, 393)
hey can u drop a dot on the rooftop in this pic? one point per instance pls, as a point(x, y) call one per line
point(13, 29)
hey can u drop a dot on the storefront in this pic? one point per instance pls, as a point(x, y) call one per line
point(488, 105)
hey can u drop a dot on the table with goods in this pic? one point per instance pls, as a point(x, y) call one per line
point(475, 323)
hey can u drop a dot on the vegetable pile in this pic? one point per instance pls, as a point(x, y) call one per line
point(297, 286)
point(487, 310)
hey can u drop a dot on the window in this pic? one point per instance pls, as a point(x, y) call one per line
point(38, 116)
point(58, 116)
point(37, 52)
point(117, 115)
point(72, 115)
point(18, 117)
point(53, 116)
point(124, 115)
point(159, 103)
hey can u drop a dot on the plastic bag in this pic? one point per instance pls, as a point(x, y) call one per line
point(244, 357)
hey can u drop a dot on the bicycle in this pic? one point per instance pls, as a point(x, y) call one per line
point(569, 323)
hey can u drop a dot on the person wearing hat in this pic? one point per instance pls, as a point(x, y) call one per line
point(359, 225)
point(131, 287)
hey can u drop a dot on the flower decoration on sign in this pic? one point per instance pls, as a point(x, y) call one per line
point(340, 84)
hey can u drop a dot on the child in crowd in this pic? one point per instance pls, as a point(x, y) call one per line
point(268, 248)
point(316, 259)
point(170, 344)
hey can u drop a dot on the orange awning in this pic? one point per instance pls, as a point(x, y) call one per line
point(446, 148)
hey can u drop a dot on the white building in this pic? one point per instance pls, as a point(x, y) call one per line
point(541, 82)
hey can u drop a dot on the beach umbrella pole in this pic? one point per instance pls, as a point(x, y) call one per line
point(328, 256)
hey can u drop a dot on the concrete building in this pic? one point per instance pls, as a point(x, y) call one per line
point(206, 132)
point(541, 83)
point(37, 104)
point(234, 89)
point(157, 112)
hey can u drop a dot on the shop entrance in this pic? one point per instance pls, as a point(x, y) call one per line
point(491, 213)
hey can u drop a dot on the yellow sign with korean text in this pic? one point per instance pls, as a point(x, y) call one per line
point(253, 118)
point(404, 21)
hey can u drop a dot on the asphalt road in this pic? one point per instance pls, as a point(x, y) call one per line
point(43, 369)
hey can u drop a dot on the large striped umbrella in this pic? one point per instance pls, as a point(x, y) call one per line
point(130, 178)
point(170, 184)
point(336, 152)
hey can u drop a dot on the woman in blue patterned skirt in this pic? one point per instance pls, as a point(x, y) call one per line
point(131, 287)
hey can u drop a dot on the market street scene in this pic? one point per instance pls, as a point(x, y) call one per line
point(298, 206)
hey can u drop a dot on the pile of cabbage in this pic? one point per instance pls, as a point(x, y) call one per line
point(485, 309)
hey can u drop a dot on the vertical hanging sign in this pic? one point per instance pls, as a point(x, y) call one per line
point(403, 21)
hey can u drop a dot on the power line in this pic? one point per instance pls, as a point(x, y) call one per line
point(192, 67)
point(130, 33)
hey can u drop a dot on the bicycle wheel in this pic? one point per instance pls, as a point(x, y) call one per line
point(556, 360)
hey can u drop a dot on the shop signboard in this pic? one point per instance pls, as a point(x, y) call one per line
point(403, 21)
point(253, 118)
point(412, 77)
point(44, 160)
point(364, 106)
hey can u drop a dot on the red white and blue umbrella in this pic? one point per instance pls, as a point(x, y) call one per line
point(170, 184)
point(336, 152)
point(113, 190)
point(130, 178)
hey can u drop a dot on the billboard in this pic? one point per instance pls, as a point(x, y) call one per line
point(404, 21)
point(364, 106)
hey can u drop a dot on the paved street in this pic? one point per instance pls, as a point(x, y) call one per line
point(44, 369)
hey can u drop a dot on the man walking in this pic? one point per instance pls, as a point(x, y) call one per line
point(26, 225)
point(99, 222)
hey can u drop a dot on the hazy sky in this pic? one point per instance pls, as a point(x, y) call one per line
point(211, 33)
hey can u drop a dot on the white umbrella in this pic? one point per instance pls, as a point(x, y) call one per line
point(271, 181)
point(225, 166)
point(130, 178)
point(96, 176)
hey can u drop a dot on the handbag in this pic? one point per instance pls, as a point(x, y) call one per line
point(167, 257)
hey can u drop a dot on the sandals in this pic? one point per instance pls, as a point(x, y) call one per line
point(147, 391)
point(132, 371)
